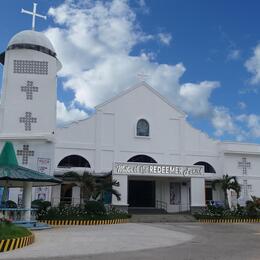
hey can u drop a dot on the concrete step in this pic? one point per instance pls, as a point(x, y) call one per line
point(33, 225)
point(146, 211)
point(152, 218)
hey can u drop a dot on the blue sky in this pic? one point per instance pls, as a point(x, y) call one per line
point(203, 55)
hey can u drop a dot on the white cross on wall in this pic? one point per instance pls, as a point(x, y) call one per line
point(246, 188)
point(34, 14)
point(25, 153)
point(29, 89)
point(28, 120)
point(244, 164)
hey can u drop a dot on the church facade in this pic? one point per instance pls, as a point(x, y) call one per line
point(156, 155)
point(159, 159)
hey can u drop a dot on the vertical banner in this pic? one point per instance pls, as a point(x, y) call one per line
point(44, 166)
point(20, 200)
point(1, 194)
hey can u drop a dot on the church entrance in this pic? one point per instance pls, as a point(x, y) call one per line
point(141, 193)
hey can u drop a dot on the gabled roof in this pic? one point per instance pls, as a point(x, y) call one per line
point(122, 93)
point(141, 84)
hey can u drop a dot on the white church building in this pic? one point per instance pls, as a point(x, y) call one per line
point(159, 159)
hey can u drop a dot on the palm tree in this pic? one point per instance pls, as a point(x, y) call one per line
point(105, 185)
point(86, 182)
point(93, 187)
point(227, 183)
point(236, 187)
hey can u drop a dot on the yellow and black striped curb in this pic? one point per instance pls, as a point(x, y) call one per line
point(84, 222)
point(14, 243)
point(256, 220)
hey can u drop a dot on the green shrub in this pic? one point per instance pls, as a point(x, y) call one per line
point(212, 212)
point(78, 213)
point(95, 208)
point(253, 207)
point(40, 204)
point(10, 204)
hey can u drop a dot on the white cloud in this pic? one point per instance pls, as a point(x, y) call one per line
point(165, 38)
point(234, 54)
point(196, 97)
point(252, 122)
point(223, 122)
point(94, 41)
point(67, 115)
point(253, 66)
point(143, 6)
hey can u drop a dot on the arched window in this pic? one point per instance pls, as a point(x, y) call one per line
point(142, 128)
point(73, 161)
point(208, 168)
point(142, 158)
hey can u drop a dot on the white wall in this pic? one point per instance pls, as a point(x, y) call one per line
point(110, 133)
point(14, 103)
point(109, 136)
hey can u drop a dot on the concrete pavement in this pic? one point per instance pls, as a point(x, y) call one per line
point(157, 241)
point(89, 240)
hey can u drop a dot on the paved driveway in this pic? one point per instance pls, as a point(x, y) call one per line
point(145, 241)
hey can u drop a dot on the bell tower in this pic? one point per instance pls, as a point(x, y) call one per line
point(28, 97)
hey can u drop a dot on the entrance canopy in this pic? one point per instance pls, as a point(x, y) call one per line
point(13, 175)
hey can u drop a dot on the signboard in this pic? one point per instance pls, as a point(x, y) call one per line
point(42, 193)
point(44, 166)
point(158, 169)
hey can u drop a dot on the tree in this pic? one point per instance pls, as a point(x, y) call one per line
point(236, 187)
point(227, 183)
point(105, 185)
point(86, 182)
point(253, 206)
point(93, 187)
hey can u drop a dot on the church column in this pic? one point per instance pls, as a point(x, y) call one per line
point(75, 195)
point(197, 194)
point(55, 195)
point(98, 131)
point(27, 200)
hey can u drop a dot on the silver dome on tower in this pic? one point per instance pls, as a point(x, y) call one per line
point(31, 37)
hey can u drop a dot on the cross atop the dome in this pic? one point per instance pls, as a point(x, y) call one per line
point(142, 76)
point(34, 14)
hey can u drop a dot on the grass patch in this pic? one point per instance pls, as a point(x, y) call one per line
point(9, 230)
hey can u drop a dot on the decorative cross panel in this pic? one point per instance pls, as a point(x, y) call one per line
point(31, 67)
point(244, 165)
point(29, 89)
point(246, 189)
point(28, 120)
point(25, 153)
